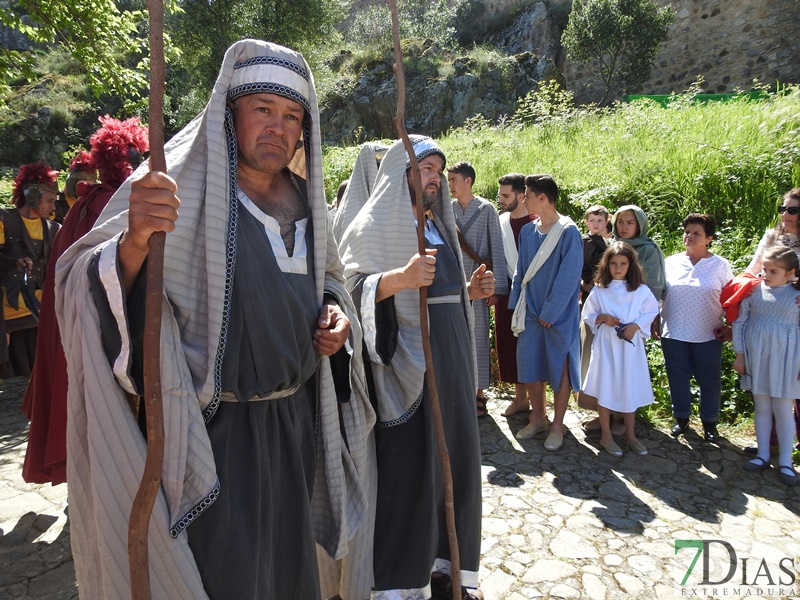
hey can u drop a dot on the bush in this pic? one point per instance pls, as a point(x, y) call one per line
point(548, 101)
point(416, 19)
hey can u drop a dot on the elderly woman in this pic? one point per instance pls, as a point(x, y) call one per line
point(691, 318)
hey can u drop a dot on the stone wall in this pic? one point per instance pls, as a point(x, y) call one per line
point(728, 42)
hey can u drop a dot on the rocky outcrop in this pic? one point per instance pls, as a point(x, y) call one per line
point(435, 101)
point(535, 29)
point(440, 98)
point(728, 43)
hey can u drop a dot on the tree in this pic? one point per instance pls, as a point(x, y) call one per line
point(623, 36)
point(208, 27)
point(104, 38)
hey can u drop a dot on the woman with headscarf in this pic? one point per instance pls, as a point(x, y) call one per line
point(630, 225)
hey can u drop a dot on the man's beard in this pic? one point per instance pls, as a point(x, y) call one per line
point(430, 198)
point(511, 207)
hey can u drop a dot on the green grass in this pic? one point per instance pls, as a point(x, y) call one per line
point(733, 160)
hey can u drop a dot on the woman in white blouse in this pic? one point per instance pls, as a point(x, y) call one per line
point(691, 319)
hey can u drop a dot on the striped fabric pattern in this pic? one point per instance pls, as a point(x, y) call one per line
point(382, 237)
point(480, 226)
point(105, 448)
point(767, 331)
point(359, 189)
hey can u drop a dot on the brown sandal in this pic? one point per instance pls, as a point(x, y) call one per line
point(481, 406)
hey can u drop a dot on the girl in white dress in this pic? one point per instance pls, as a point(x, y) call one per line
point(619, 311)
point(766, 339)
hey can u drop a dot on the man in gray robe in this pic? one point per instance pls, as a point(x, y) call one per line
point(481, 241)
point(264, 454)
point(384, 272)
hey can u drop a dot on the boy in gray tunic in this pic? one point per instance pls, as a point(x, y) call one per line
point(480, 238)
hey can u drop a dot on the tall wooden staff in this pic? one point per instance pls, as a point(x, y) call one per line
point(142, 508)
point(430, 376)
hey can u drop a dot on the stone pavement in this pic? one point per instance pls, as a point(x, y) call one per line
point(35, 557)
point(577, 523)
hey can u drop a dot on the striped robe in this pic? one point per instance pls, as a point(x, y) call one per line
point(480, 226)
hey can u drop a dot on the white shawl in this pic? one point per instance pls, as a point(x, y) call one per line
point(359, 189)
point(509, 245)
point(383, 237)
point(105, 448)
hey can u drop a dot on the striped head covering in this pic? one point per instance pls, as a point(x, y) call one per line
point(383, 237)
point(424, 147)
point(199, 261)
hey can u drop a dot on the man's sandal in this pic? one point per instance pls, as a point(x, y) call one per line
point(481, 406)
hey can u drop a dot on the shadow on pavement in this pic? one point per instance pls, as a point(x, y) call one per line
point(679, 477)
point(36, 569)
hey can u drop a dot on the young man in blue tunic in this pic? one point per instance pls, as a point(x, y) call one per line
point(544, 296)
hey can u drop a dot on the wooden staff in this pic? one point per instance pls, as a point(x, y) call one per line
point(142, 508)
point(430, 376)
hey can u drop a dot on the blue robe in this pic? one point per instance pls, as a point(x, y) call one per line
point(552, 295)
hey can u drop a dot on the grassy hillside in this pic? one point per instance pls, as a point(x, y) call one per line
point(733, 160)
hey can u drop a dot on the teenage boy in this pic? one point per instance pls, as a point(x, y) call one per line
point(481, 243)
point(544, 295)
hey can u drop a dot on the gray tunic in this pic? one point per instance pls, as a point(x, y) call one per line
point(480, 226)
point(410, 528)
point(245, 544)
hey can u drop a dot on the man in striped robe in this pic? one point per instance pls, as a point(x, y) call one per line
point(481, 242)
point(264, 455)
point(384, 273)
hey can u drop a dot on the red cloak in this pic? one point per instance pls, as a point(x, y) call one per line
point(45, 401)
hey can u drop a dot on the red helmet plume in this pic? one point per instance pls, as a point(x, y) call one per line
point(34, 176)
point(82, 163)
point(115, 145)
